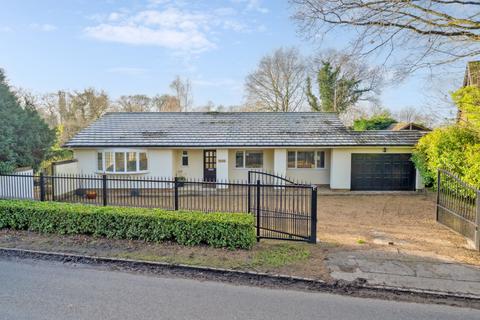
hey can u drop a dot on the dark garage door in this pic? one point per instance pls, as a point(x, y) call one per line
point(382, 172)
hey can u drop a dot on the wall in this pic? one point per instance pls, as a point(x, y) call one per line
point(194, 170)
point(17, 187)
point(341, 163)
point(64, 185)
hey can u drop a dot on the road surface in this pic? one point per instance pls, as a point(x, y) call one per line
point(31, 289)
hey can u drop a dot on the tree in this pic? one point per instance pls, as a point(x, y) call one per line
point(134, 103)
point(79, 109)
point(182, 89)
point(278, 82)
point(467, 100)
point(413, 115)
point(424, 33)
point(166, 103)
point(337, 91)
point(25, 137)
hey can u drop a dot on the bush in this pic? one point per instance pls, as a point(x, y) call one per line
point(379, 122)
point(232, 230)
point(454, 149)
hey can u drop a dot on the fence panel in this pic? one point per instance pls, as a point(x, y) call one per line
point(283, 210)
point(17, 186)
point(458, 206)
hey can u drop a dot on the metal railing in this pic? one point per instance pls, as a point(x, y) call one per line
point(283, 211)
point(458, 206)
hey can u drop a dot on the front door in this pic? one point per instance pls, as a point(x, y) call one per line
point(210, 165)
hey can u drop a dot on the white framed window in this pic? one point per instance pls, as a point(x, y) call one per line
point(122, 161)
point(249, 159)
point(306, 159)
point(185, 158)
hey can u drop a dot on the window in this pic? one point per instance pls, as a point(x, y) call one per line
point(239, 159)
point(122, 162)
point(131, 161)
point(306, 159)
point(119, 162)
point(320, 159)
point(109, 165)
point(100, 161)
point(249, 159)
point(291, 159)
point(185, 158)
point(143, 161)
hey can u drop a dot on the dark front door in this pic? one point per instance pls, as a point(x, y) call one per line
point(392, 171)
point(210, 165)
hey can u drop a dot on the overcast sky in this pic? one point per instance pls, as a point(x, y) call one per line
point(130, 47)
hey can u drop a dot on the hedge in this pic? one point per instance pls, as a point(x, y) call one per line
point(231, 230)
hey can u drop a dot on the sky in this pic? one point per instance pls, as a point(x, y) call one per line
point(138, 47)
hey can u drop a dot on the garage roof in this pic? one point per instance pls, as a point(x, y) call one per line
point(231, 129)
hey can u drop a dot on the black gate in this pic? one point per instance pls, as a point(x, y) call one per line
point(284, 209)
point(458, 206)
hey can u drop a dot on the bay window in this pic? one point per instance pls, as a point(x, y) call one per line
point(249, 159)
point(306, 159)
point(122, 161)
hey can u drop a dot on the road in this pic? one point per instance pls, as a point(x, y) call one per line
point(32, 289)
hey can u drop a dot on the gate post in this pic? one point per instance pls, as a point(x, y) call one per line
point(249, 194)
point(477, 222)
point(313, 217)
point(104, 189)
point(258, 210)
point(175, 189)
point(42, 187)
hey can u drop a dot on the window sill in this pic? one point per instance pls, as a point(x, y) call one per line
point(320, 169)
point(122, 173)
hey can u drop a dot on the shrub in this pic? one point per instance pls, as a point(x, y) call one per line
point(453, 148)
point(232, 230)
point(379, 122)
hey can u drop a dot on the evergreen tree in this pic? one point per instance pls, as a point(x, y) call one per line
point(337, 91)
point(24, 137)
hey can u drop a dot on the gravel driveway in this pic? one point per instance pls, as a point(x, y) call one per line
point(405, 222)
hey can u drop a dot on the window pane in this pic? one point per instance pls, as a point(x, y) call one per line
point(109, 161)
point(184, 158)
point(143, 161)
point(131, 161)
point(100, 161)
point(253, 159)
point(320, 159)
point(305, 159)
point(291, 159)
point(239, 159)
point(119, 162)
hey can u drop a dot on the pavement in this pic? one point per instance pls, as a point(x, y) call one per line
point(35, 289)
point(406, 269)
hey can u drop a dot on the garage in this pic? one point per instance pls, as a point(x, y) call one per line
point(374, 171)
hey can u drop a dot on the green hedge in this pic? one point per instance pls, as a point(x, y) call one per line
point(232, 230)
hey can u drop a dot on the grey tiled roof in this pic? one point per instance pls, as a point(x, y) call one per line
point(230, 129)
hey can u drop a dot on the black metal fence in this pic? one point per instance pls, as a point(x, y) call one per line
point(458, 206)
point(283, 210)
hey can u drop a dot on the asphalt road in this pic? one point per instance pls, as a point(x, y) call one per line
point(49, 290)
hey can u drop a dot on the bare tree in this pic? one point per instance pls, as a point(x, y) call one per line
point(182, 89)
point(166, 103)
point(135, 103)
point(411, 114)
point(278, 82)
point(424, 33)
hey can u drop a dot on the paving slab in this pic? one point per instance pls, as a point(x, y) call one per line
point(405, 269)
